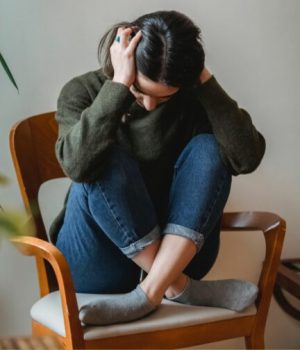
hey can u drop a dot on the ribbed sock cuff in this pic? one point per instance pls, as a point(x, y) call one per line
point(187, 286)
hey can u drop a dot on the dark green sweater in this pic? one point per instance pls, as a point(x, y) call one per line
point(94, 113)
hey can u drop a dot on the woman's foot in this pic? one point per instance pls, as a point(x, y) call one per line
point(231, 294)
point(110, 308)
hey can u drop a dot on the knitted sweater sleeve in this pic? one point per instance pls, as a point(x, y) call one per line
point(88, 125)
point(242, 146)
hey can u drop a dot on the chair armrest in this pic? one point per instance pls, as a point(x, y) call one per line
point(250, 221)
point(43, 250)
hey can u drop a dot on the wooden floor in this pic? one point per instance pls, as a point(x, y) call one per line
point(40, 343)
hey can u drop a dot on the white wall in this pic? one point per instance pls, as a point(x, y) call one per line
point(253, 50)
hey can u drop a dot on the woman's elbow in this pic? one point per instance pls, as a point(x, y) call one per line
point(70, 166)
point(252, 159)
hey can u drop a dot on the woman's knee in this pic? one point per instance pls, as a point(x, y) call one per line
point(121, 173)
point(204, 140)
point(203, 152)
point(117, 174)
point(205, 148)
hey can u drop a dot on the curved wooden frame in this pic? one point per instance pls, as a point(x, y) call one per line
point(24, 142)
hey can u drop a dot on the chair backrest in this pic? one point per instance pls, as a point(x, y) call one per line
point(32, 144)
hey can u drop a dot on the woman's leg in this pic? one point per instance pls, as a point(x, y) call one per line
point(199, 191)
point(198, 195)
point(105, 225)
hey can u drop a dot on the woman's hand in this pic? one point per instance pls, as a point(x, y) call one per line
point(205, 75)
point(122, 55)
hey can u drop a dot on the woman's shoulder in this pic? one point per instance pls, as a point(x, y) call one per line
point(95, 77)
point(88, 83)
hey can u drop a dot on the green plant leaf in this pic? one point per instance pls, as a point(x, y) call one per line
point(8, 72)
point(3, 180)
point(15, 223)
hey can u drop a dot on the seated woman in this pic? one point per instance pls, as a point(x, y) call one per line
point(151, 141)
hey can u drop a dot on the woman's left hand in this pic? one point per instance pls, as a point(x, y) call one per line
point(205, 75)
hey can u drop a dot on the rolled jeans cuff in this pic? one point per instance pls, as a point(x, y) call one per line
point(178, 230)
point(134, 248)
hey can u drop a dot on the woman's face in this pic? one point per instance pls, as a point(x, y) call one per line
point(149, 94)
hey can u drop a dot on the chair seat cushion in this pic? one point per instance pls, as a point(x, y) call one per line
point(48, 312)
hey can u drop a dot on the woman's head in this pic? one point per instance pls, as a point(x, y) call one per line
point(170, 51)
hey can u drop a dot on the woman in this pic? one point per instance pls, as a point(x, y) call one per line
point(151, 142)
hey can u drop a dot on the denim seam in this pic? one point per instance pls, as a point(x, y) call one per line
point(85, 189)
point(112, 211)
point(209, 210)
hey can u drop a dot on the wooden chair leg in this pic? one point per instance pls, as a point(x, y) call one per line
point(255, 341)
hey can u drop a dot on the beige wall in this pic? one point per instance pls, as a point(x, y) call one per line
point(252, 48)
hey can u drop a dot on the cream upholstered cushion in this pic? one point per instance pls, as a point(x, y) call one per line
point(51, 198)
point(48, 312)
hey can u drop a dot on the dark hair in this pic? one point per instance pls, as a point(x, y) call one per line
point(170, 51)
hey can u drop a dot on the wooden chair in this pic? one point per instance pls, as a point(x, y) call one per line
point(173, 325)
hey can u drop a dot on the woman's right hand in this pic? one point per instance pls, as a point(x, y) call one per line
point(122, 54)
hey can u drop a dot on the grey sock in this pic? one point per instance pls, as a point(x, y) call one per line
point(231, 294)
point(110, 308)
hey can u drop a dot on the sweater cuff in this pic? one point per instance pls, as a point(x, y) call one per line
point(113, 99)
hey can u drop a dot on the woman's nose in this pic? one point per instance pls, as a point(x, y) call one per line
point(149, 103)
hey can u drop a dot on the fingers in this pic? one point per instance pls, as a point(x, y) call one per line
point(135, 40)
point(124, 36)
point(122, 54)
point(125, 40)
point(205, 75)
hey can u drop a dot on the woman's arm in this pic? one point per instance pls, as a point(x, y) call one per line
point(88, 127)
point(242, 146)
point(89, 113)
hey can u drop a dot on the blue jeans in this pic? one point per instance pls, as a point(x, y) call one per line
point(109, 221)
